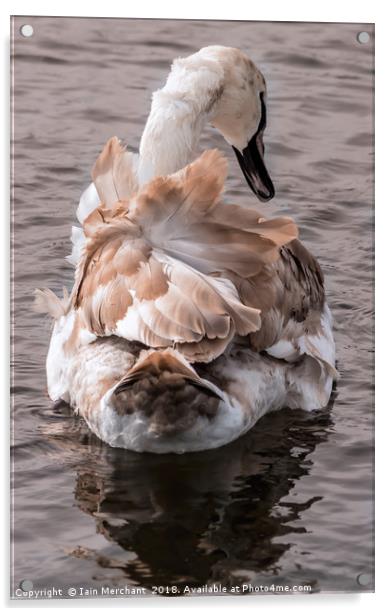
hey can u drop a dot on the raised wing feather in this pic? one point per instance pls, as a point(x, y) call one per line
point(182, 216)
point(114, 173)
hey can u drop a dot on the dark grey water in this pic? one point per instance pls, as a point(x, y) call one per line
point(292, 501)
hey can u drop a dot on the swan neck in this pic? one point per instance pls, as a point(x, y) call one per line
point(171, 136)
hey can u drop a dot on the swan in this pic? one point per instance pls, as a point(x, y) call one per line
point(222, 314)
point(158, 345)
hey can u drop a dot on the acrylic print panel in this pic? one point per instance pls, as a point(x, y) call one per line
point(288, 506)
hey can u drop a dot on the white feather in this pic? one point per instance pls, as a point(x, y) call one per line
point(89, 201)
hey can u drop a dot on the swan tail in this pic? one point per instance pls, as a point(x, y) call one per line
point(164, 387)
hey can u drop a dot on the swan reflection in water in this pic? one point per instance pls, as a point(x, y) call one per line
point(218, 516)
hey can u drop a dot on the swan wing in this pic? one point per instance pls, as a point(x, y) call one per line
point(296, 321)
point(183, 216)
point(156, 266)
point(127, 288)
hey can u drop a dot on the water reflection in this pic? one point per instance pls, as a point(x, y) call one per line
point(199, 518)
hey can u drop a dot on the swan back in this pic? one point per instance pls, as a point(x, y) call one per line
point(155, 267)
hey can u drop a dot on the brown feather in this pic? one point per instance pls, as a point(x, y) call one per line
point(113, 174)
point(206, 350)
point(150, 282)
point(101, 216)
point(289, 293)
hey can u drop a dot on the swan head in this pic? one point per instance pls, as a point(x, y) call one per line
point(239, 113)
point(219, 85)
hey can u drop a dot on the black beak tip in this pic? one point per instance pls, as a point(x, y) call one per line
point(266, 195)
point(255, 172)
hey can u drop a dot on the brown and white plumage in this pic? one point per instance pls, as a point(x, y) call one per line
point(190, 317)
point(159, 268)
point(171, 279)
point(180, 235)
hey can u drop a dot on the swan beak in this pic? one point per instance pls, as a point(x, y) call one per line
point(252, 164)
point(251, 160)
